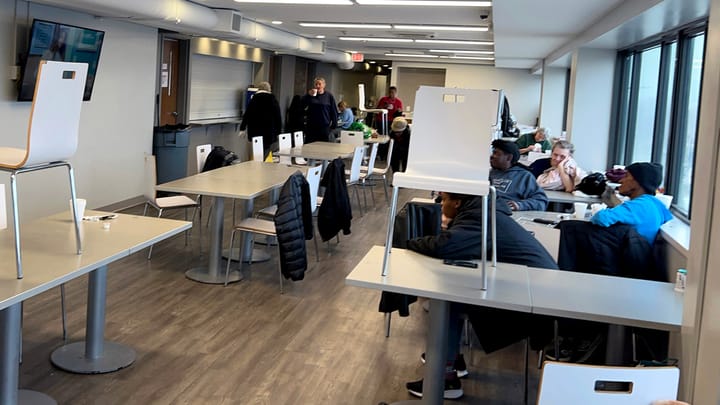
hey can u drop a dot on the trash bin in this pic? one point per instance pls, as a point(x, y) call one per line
point(170, 147)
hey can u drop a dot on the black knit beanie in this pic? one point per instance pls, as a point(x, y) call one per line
point(507, 147)
point(648, 175)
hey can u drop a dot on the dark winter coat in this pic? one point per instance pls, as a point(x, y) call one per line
point(263, 118)
point(293, 224)
point(335, 213)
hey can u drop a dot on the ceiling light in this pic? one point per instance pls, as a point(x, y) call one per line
point(412, 55)
point(372, 62)
point(373, 39)
point(320, 36)
point(460, 51)
point(276, 22)
point(469, 57)
point(321, 2)
point(386, 65)
point(446, 3)
point(452, 41)
point(346, 25)
point(473, 28)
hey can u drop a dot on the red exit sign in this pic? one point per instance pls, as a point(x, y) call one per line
point(358, 57)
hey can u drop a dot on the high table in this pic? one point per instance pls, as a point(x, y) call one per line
point(243, 181)
point(50, 260)
point(416, 274)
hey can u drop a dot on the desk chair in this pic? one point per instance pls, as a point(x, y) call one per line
point(353, 178)
point(355, 138)
point(257, 149)
point(362, 109)
point(299, 141)
point(163, 203)
point(52, 135)
point(285, 144)
point(367, 172)
point(382, 171)
point(539, 166)
point(571, 384)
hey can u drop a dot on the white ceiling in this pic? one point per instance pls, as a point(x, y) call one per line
point(525, 32)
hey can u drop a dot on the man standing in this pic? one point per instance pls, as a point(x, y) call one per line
point(320, 111)
point(262, 117)
point(515, 185)
point(391, 103)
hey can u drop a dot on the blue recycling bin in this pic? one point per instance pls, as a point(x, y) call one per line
point(170, 147)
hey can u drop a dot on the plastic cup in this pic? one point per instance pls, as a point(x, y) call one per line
point(79, 205)
point(313, 92)
point(580, 210)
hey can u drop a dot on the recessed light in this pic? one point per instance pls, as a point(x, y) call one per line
point(452, 41)
point(374, 39)
point(470, 28)
point(386, 65)
point(443, 3)
point(412, 55)
point(320, 36)
point(461, 51)
point(372, 62)
point(346, 25)
point(276, 22)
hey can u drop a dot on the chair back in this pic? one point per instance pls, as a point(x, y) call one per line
point(539, 166)
point(389, 155)
point(463, 165)
point(298, 138)
point(313, 179)
point(371, 161)
point(361, 97)
point(571, 384)
point(201, 154)
point(55, 112)
point(285, 144)
point(150, 178)
point(356, 163)
point(258, 149)
point(352, 138)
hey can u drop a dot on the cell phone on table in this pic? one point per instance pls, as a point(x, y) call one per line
point(461, 263)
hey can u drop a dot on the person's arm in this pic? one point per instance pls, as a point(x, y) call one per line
point(623, 213)
point(535, 198)
point(524, 145)
point(333, 112)
point(568, 181)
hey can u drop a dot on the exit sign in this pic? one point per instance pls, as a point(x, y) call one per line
point(358, 57)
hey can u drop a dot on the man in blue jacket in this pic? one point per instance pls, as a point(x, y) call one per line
point(515, 185)
point(644, 212)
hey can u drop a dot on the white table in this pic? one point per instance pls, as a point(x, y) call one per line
point(50, 260)
point(416, 274)
point(565, 197)
point(324, 151)
point(243, 181)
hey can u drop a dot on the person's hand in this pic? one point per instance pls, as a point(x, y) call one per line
point(514, 206)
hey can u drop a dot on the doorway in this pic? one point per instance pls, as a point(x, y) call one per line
point(169, 83)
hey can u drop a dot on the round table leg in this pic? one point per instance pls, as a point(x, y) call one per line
point(201, 274)
point(71, 357)
point(27, 397)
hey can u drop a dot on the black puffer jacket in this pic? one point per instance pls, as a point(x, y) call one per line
point(293, 223)
point(334, 213)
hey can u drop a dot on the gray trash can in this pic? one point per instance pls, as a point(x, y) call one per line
point(170, 147)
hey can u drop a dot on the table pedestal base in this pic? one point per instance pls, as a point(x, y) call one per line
point(202, 275)
point(72, 358)
point(27, 397)
point(259, 255)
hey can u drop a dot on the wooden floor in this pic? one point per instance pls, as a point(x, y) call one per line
point(322, 342)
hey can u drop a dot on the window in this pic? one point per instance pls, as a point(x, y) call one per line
point(656, 107)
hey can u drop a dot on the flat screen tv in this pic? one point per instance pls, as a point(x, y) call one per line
point(61, 42)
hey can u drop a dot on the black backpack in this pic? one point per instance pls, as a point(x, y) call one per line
point(592, 184)
point(219, 157)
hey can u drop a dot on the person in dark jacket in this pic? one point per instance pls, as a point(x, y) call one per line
point(463, 240)
point(262, 117)
point(293, 226)
point(296, 115)
point(335, 213)
point(321, 113)
point(400, 133)
point(515, 185)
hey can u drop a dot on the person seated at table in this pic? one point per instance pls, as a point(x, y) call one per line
point(564, 173)
point(643, 211)
point(515, 185)
point(526, 142)
point(462, 240)
point(345, 119)
point(400, 133)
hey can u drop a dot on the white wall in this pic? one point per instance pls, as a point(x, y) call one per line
point(521, 87)
point(116, 124)
point(589, 106)
point(552, 99)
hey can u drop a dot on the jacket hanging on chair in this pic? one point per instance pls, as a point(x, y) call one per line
point(293, 225)
point(335, 213)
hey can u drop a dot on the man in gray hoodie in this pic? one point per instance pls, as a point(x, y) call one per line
point(515, 185)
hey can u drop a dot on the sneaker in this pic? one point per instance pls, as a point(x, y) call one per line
point(459, 365)
point(453, 387)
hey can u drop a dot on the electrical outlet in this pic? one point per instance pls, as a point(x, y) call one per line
point(14, 72)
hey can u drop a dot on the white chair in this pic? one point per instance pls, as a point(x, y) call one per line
point(361, 107)
point(354, 174)
point(383, 171)
point(572, 384)
point(257, 149)
point(367, 171)
point(201, 155)
point(299, 141)
point(162, 203)
point(52, 136)
point(355, 138)
point(285, 144)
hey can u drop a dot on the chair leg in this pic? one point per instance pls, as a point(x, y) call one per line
point(16, 224)
point(317, 250)
point(76, 218)
point(385, 187)
point(280, 271)
point(357, 196)
point(527, 361)
point(227, 268)
point(466, 331)
point(145, 209)
point(388, 316)
point(63, 312)
point(151, 246)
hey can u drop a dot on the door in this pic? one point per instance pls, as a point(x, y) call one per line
point(169, 82)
